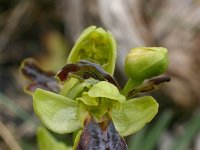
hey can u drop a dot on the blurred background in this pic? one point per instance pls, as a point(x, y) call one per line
point(47, 29)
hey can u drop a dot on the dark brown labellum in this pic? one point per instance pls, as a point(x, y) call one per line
point(94, 137)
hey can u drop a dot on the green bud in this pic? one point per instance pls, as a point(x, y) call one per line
point(146, 62)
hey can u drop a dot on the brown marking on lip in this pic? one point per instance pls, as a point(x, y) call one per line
point(85, 69)
point(94, 137)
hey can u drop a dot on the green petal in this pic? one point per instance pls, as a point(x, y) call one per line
point(97, 45)
point(90, 101)
point(135, 113)
point(47, 142)
point(106, 90)
point(58, 113)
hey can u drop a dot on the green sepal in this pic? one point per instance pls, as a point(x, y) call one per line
point(97, 45)
point(57, 113)
point(134, 114)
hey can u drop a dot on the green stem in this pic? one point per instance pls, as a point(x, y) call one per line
point(130, 85)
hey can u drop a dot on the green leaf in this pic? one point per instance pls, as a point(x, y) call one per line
point(58, 113)
point(187, 137)
point(47, 142)
point(106, 90)
point(97, 45)
point(150, 136)
point(134, 114)
point(136, 141)
point(155, 132)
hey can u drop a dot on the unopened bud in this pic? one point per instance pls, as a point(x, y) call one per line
point(146, 62)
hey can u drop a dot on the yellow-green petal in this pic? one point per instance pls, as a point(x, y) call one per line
point(106, 90)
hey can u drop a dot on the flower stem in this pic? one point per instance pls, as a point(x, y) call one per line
point(130, 85)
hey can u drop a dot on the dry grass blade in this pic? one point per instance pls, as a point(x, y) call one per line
point(12, 106)
point(8, 137)
point(13, 22)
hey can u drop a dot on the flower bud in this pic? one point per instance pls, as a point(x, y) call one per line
point(146, 62)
